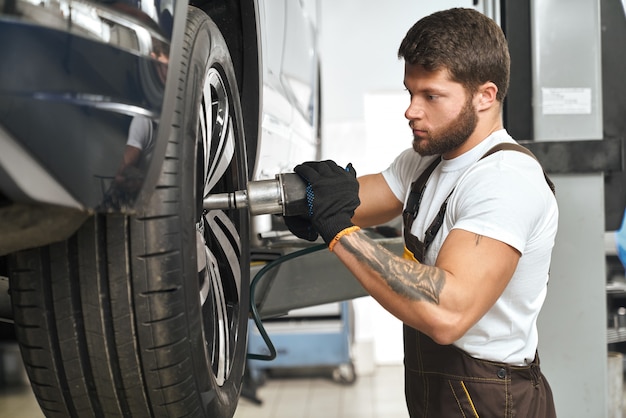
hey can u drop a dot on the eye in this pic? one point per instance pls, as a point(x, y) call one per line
point(432, 97)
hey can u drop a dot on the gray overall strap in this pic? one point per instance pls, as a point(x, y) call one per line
point(417, 190)
point(517, 147)
point(411, 208)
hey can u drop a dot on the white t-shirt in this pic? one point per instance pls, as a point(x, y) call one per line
point(505, 197)
point(140, 133)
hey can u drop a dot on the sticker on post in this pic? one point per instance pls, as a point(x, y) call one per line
point(566, 101)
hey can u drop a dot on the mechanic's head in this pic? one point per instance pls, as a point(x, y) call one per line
point(471, 46)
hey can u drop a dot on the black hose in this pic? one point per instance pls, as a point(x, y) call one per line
point(253, 309)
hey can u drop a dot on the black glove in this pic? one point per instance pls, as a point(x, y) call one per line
point(301, 227)
point(332, 196)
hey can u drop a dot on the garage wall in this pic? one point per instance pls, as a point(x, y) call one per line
point(362, 78)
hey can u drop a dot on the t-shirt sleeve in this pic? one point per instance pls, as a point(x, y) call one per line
point(139, 132)
point(502, 197)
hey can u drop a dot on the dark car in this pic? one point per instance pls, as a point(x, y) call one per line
point(117, 118)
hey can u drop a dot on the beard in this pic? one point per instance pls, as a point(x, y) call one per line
point(449, 137)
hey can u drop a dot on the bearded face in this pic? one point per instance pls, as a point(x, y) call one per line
point(447, 137)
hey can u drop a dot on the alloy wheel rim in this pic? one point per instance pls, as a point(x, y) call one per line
point(218, 241)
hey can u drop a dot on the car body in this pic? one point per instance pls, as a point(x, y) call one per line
point(116, 119)
point(76, 72)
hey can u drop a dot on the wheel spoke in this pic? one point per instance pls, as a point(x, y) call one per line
point(215, 295)
point(219, 138)
point(221, 337)
point(227, 237)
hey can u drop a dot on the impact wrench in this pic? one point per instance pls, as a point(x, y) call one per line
point(284, 195)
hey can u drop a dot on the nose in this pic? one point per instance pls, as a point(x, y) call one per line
point(414, 111)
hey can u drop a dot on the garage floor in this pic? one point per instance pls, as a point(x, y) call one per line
point(379, 395)
point(295, 396)
point(374, 396)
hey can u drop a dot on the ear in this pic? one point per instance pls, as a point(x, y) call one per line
point(486, 96)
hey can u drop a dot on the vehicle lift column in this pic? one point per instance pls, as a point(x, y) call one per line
point(564, 103)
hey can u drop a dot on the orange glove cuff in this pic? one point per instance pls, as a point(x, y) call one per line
point(342, 233)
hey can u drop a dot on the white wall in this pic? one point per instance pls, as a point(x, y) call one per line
point(362, 78)
point(359, 44)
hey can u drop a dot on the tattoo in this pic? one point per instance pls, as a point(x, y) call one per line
point(412, 280)
point(478, 239)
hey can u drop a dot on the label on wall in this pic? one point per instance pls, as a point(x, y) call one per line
point(566, 101)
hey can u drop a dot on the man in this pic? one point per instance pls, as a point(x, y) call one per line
point(475, 270)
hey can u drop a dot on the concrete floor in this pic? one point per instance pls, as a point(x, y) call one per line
point(378, 395)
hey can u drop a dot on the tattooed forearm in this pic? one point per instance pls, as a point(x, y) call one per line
point(410, 279)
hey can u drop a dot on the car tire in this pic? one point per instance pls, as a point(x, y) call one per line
point(146, 315)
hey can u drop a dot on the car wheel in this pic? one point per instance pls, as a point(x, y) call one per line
point(146, 316)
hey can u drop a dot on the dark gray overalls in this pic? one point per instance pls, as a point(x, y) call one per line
point(443, 380)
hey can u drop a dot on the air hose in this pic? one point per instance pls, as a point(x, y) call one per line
point(285, 195)
point(253, 308)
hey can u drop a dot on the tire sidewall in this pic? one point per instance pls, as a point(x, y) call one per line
point(209, 50)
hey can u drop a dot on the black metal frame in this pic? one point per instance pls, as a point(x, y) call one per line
point(518, 114)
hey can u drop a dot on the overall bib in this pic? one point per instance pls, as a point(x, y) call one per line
point(446, 382)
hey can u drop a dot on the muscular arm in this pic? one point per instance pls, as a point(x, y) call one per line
point(378, 203)
point(130, 158)
point(444, 300)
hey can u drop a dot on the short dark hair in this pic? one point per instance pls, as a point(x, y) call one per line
point(471, 46)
